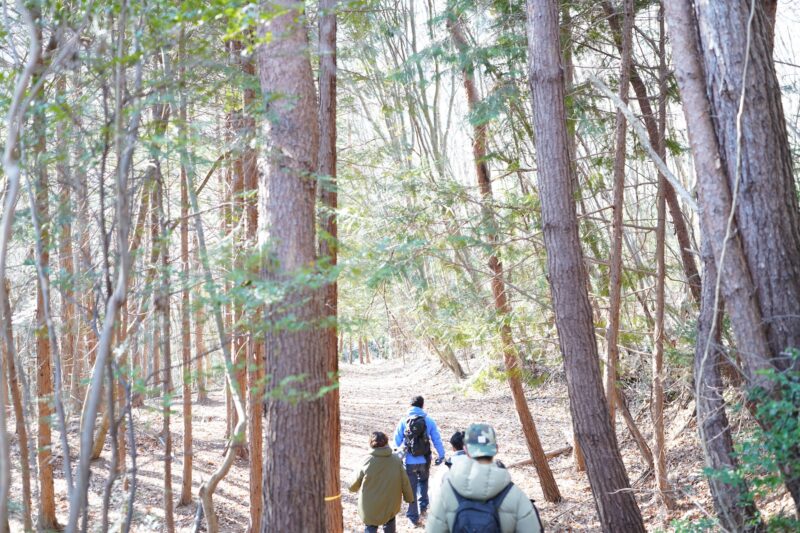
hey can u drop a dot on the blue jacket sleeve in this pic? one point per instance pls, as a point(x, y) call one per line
point(399, 433)
point(433, 433)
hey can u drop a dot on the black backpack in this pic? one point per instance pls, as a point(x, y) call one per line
point(416, 436)
point(473, 516)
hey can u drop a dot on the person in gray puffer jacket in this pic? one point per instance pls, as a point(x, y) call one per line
point(478, 478)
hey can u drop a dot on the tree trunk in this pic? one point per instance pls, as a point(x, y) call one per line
point(20, 427)
point(44, 372)
point(501, 304)
point(255, 344)
point(759, 162)
point(65, 255)
point(334, 522)
point(162, 309)
point(155, 250)
point(615, 274)
point(743, 95)
point(202, 357)
point(616, 505)
point(657, 403)
point(186, 344)
point(712, 422)
point(352, 353)
point(186, 323)
point(293, 493)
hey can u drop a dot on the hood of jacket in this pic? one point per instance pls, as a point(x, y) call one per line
point(416, 411)
point(478, 481)
point(385, 451)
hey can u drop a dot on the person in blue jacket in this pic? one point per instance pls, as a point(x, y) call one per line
point(413, 436)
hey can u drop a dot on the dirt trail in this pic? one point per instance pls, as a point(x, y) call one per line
point(374, 397)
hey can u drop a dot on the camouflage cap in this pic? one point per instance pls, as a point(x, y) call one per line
point(480, 441)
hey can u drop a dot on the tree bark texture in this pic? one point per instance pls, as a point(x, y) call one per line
point(736, 47)
point(328, 253)
point(615, 270)
point(657, 402)
point(14, 384)
point(295, 416)
point(254, 344)
point(44, 369)
point(616, 505)
point(712, 421)
point(760, 160)
point(162, 309)
point(501, 304)
point(734, 278)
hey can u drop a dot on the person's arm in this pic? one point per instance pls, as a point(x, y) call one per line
point(433, 433)
point(437, 515)
point(408, 494)
point(399, 433)
point(355, 483)
point(527, 518)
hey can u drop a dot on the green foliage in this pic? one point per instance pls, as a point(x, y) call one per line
point(768, 453)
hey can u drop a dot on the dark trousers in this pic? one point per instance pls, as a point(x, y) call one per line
point(418, 475)
point(388, 527)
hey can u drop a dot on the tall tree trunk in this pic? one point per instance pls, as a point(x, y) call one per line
point(501, 304)
point(334, 522)
point(616, 505)
point(657, 404)
point(254, 342)
point(745, 97)
point(757, 159)
point(65, 254)
point(44, 371)
point(203, 365)
point(615, 271)
point(155, 251)
point(728, 272)
point(186, 324)
point(20, 427)
point(730, 499)
point(162, 309)
point(293, 493)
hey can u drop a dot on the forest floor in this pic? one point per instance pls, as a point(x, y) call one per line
point(373, 398)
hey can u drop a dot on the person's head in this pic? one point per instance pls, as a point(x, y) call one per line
point(457, 441)
point(378, 439)
point(480, 442)
point(418, 401)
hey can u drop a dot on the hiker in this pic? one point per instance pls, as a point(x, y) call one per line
point(383, 481)
point(457, 443)
point(478, 495)
point(413, 436)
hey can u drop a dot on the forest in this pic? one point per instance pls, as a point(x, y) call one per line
point(236, 237)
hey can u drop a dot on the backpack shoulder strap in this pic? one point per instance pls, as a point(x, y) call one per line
point(497, 501)
point(459, 498)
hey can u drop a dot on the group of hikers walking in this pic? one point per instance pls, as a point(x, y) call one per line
point(476, 493)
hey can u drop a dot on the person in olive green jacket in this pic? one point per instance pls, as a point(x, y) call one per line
point(382, 481)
